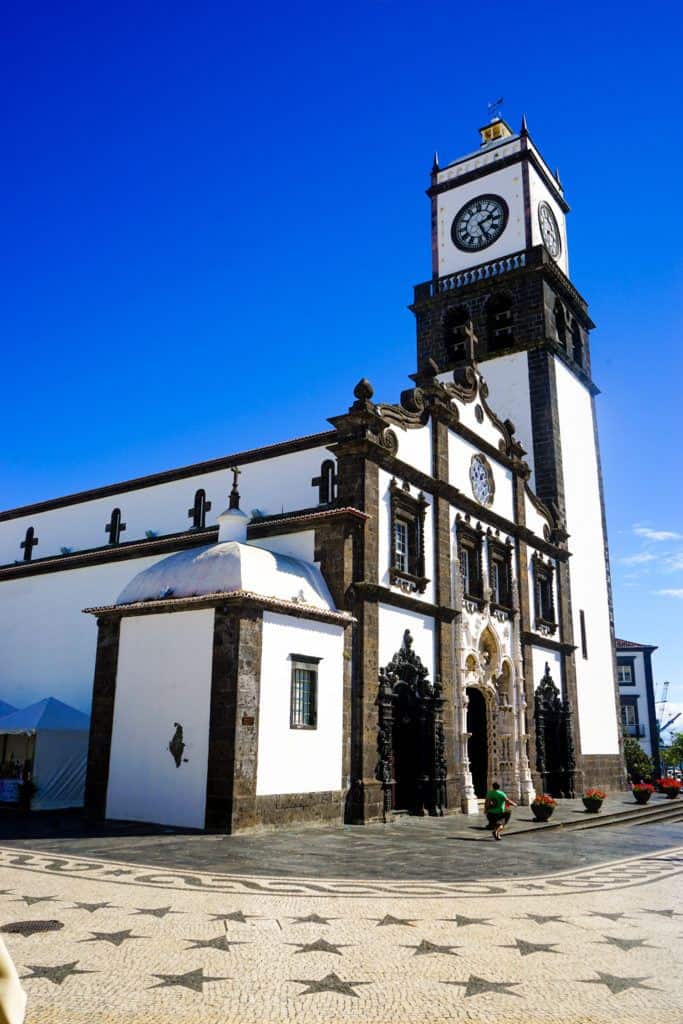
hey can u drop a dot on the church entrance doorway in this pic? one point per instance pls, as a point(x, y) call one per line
point(411, 765)
point(477, 744)
point(407, 749)
point(555, 759)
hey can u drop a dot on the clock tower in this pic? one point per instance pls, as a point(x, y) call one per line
point(500, 295)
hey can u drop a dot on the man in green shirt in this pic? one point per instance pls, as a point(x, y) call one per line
point(496, 806)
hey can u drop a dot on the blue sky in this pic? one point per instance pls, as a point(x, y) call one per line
point(213, 216)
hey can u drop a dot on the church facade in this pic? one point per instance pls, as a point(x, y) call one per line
point(412, 604)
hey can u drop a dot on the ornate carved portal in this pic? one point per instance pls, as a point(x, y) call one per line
point(411, 761)
point(555, 758)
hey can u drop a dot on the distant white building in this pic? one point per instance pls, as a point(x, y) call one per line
point(412, 604)
point(637, 695)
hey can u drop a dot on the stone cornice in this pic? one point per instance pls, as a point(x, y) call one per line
point(233, 600)
point(142, 548)
point(365, 591)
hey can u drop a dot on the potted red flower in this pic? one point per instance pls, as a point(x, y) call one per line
point(542, 806)
point(592, 799)
point(670, 787)
point(642, 791)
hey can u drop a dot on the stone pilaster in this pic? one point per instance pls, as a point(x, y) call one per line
point(102, 716)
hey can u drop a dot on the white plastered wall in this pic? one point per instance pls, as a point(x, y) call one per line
point(538, 192)
point(393, 623)
point(508, 381)
point(47, 644)
point(415, 447)
point(383, 562)
point(272, 485)
point(299, 760)
point(163, 678)
point(460, 453)
point(539, 657)
point(588, 578)
point(506, 183)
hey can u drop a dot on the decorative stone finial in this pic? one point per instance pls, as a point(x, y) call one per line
point(557, 178)
point(363, 390)
point(435, 165)
point(524, 130)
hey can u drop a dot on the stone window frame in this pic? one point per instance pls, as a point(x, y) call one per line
point(630, 663)
point(544, 594)
point(303, 663)
point(471, 540)
point(500, 553)
point(412, 511)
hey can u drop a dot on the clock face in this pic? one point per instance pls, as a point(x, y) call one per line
point(550, 232)
point(481, 479)
point(479, 223)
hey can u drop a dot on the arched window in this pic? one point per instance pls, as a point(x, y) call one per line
point(560, 324)
point(198, 511)
point(499, 322)
point(326, 482)
point(459, 338)
point(577, 344)
point(115, 527)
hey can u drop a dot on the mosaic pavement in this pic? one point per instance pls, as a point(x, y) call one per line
point(113, 943)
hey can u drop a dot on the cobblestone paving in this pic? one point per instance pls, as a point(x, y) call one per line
point(99, 941)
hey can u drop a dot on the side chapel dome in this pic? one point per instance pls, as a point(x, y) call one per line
point(228, 567)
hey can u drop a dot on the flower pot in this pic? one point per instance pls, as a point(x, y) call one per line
point(671, 793)
point(542, 812)
point(643, 797)
point(592, 804)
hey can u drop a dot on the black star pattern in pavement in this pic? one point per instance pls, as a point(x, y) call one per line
point(545, 918)
point(57, 973)
point(610, 917)
point(330, 983)
point(664, 913)
point(625, 944)
point(30, 900)
point(219, 942)
point(475, 986)
point(155, 911)
point(27, 928)
point(312, 919)
point(616, 984)
point(235, 915)
point(90, 907)
point(118, 872)
point(388, 919)
point(320, 946)
point(427, 947)
point(461, 921)
point(194, 980)
point(527, 948)
point(116, 938)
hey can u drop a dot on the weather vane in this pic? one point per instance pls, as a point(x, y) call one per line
point(494, 108)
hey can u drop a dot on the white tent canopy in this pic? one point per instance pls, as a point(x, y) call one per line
point(60, 753)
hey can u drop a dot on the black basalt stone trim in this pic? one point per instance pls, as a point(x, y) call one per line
point(522, 156)
point(438, 488)
point(651, 712)
point(222, 717)
point(102, 718)
point(375, 592)
point(169, 543)
point(536, 640)
point(272, 451)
